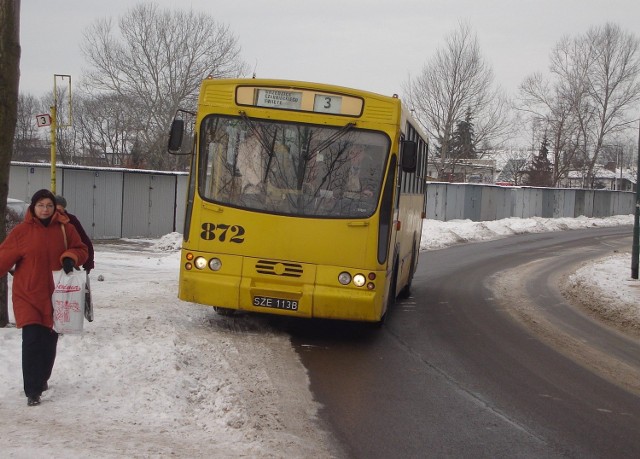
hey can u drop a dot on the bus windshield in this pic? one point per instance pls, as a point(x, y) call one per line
point(291, 168)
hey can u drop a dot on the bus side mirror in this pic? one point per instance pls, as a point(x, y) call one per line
point(409, 156)
point(175, 135)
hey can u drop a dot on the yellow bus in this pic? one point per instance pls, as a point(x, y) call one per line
point(304, 199)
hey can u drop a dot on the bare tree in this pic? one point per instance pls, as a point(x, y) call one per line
point(9, 79)
point(601, 69)
point(67, 139)
point(27, 136)
point(155, 61)
point(107, 133)
point(550, 107)
point(457, 83)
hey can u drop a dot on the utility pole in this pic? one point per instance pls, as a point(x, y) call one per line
point(635, 253)
point(53, 126)
point(621, 164)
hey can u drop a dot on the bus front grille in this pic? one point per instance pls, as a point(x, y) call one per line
point(278, 268)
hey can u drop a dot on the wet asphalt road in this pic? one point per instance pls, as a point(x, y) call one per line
point(452, 374)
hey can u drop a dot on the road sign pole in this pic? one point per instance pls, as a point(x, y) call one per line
point(55, 124)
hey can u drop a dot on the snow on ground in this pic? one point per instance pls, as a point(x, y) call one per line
point(605, 286)
point(153, 376)
point(156, 377)
point(438, 235)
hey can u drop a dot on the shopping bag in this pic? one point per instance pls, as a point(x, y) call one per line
point(88, 302)
point(68, 302)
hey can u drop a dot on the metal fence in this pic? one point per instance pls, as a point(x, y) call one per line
point(116, 203)
point(111, 203)
point(451, 201)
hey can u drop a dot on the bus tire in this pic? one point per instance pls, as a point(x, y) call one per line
point(391, 299)
point(379, 323)
point(406, 290)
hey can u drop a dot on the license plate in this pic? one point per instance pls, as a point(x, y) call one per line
point(276, 303)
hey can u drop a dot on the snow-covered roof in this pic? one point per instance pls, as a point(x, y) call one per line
point(606, 174)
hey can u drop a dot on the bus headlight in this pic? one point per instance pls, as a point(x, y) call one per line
point(344, 278)
point(215, 264)
point(359, 280)
point(200, 263)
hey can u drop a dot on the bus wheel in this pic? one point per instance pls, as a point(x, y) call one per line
point(391, 299)
point(406, 290)
point(224, 311)
point(379, 323)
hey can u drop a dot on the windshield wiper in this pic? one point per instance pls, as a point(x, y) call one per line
point(335, 137)
point(266, 143)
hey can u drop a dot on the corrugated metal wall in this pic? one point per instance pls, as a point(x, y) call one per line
point(452, 201)
point(110, 203)
point(150, 204)
point(181, 201)
point(95, 197)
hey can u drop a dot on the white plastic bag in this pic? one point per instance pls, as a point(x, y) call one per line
point(68, 301)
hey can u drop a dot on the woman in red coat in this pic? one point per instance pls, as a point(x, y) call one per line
point(36, 247)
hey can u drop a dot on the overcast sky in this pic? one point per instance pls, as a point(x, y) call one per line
point(369, 44)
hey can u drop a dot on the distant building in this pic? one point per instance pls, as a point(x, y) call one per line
point(604, 179)
point(511, 172)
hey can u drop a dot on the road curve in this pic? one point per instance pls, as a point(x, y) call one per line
point(461, 370)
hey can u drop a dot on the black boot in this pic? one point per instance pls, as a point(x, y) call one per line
point(33, 401)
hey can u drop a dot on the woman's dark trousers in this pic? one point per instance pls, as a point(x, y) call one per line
point(38, 356)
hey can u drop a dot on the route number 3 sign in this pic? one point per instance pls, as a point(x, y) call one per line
point(43, 120)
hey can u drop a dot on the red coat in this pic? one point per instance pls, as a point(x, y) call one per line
point(36, 250)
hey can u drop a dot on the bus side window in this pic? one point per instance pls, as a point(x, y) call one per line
point(409, 156)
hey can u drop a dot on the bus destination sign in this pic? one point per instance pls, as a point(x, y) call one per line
point(272, 98)
point(299, 99)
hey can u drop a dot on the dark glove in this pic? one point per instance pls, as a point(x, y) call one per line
point(68, 264)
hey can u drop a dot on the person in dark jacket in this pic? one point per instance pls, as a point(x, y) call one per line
point(44, 242)
point(61, 206)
